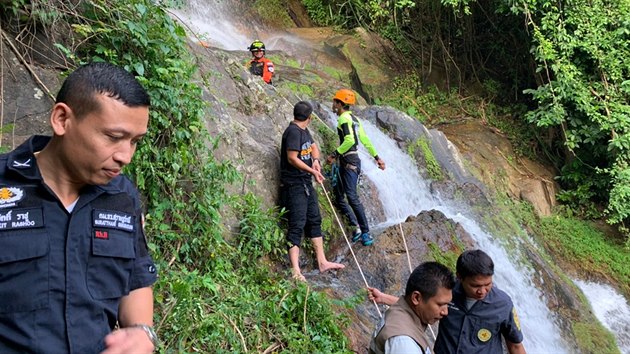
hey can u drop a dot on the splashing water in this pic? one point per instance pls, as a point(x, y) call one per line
point(401, 178)
point(611, 309)
point(212, 22)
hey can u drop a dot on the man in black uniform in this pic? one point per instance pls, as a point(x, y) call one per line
point(73, 257)
point(299, 159)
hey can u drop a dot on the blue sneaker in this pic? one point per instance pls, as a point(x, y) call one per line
point(366, 239)
point(356, 235)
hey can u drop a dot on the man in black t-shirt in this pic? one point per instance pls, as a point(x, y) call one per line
point(299, 159)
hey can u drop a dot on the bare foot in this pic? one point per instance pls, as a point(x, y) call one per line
point(326, 266)
point(298, 276)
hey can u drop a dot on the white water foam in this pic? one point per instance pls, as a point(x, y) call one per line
point(403, 193)
point(611, 309)
point(210, 21)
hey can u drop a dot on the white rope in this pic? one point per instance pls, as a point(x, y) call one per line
point(349, 246)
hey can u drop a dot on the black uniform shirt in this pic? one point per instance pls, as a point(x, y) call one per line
point(479, 329)
point(62, 273)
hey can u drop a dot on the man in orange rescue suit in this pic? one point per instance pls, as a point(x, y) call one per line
point(259, 65)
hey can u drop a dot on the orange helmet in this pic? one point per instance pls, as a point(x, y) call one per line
point(346, 96)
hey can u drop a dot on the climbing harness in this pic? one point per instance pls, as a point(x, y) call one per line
point(349, 246)
point(333, 175)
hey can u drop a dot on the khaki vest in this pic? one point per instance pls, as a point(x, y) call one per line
point(401, 320)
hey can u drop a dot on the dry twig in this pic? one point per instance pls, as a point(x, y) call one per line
point(25, 63)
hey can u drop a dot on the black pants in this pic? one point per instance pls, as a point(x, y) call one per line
point(347, 188)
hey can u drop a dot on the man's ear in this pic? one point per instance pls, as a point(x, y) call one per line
point(59, 118)
point(416, 297)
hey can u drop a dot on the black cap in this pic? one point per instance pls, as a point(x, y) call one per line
point(302, 110)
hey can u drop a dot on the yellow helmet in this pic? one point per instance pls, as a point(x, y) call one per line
point(346, 96)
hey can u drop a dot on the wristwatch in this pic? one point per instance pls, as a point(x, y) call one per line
point(150, 333)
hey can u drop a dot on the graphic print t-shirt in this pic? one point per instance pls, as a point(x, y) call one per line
point(300, 140)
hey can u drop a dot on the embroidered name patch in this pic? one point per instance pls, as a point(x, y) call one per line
point(9, 196)
point(21, 219)
point(113, 220)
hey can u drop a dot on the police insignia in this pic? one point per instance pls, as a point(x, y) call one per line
point(484, 335)
point(9, 196)
point(516, 320)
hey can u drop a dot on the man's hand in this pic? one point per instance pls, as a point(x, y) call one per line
point(375, 295)
point(330, 159)
point(318, 176)
point(132, 340)
point(381, 164)
point(317, 166)
point(381, 298)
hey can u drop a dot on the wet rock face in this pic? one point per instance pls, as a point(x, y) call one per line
point(490, 154)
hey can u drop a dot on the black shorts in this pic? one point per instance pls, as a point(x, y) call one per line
point(303, 215)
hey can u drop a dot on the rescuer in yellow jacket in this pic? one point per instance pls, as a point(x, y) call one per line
point(350, 132)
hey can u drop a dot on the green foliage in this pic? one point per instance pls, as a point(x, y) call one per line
point(320, 13)
point(447, 258)
point(275, 12)
point(259, 233)
point(579, 49)
point(213, 294)
point(579, 243)
point(593, 338)
point(299, 89)
point(352, 13)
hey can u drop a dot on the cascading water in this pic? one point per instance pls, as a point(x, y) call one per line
point(401, 178)
point(611, 309)
point(213, 23)
point(541, 332)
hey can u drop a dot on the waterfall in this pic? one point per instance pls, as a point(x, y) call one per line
point(611, 309)
point(401, 178)
point(213, 23)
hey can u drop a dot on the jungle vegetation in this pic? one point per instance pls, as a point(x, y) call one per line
point(560, 65)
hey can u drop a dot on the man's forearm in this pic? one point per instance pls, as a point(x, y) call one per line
point(136, 308)
point(515, 348)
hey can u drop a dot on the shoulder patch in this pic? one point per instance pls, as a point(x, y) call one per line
point(9, 196)
point(516, 320)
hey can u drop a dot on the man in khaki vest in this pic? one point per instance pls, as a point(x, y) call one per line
point(426, 299)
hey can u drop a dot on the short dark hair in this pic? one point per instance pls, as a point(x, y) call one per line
point(302, 110)
point(474, 262)
point(80, 88)
point(428, 278)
